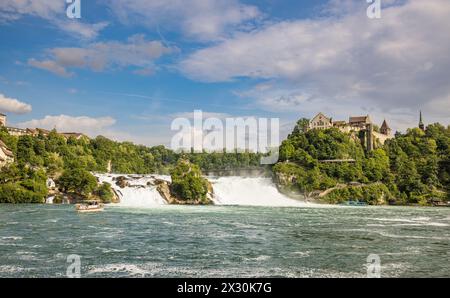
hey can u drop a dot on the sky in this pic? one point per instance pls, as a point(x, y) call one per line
point(127, 68)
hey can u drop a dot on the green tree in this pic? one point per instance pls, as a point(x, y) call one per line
point(105, 192)
point(78, 181)
point(188, 183)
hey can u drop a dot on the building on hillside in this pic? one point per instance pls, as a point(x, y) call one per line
point(359, 122)
point(355, 124)
point(38, 131)
point(34, 132)
point(2, 120)
point(6, 156)
point(11, 130)
point(385, 129)
point(339, 124)
point(17, 132)
point(320, 121)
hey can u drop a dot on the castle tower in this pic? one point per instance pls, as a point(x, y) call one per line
point(385, 129)
point(2, 119)
point(421, 125)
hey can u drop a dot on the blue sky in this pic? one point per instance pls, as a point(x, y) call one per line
point(127, 68)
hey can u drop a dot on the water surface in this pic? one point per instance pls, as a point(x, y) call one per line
point(224, 241)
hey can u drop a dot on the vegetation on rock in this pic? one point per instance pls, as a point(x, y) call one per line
point(188, 183)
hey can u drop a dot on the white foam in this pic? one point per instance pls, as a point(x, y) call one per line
point(250, 192)
point(141, 193)
point(418, 221)
point(128, 269)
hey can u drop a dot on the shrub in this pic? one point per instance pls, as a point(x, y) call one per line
point(373, 194)
point(105, 192)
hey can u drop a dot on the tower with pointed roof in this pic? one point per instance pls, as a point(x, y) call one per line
point(421, 125)
point(385, 129)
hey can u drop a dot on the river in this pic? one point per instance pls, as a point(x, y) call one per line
point(224, 241)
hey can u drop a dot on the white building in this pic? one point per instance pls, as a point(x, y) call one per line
point(320, 121)
point(2, 119)
point(6, 156)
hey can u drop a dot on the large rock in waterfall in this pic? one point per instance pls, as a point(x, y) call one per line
point(188, 187)
point(122, 181)
point(165, 190)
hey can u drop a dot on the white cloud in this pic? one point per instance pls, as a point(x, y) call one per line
point(135, 52)
point(12, 105)
point(400, 61)
point(53, 11)
point(205, 115)
point(84, 30)
point(42, 8)
point(51, 66)
point(199, 19)
point(64, 123)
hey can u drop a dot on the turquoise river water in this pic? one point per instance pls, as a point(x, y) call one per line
point(224, 241)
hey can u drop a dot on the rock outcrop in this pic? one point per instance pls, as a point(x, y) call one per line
point(122, 181)
point(164, 189)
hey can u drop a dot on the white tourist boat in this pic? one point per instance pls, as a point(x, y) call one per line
point(89, 206)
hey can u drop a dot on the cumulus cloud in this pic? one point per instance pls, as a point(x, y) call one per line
point(12, 105)
point(199, 19)
point(392, 63)
point(135, 52)
point(84, 124)
point(50, 10)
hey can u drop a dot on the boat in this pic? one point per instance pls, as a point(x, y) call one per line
point(89, 207)
point(357, 203)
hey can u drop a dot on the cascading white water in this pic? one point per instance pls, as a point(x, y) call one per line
point(141, 192)
point(250, 192)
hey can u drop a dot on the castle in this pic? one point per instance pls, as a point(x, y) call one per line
point(359, 124)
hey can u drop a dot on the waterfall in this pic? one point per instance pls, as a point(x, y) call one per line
point(49, 200)
point(250, 192)
point(140, 191)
